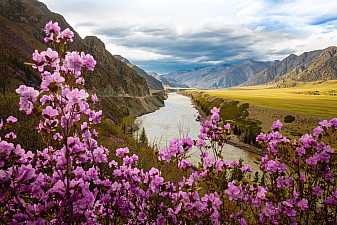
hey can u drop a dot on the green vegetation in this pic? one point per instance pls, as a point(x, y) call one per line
point(230, 112)
point(143, 138)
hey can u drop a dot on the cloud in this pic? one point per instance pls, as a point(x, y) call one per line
point(168, 35)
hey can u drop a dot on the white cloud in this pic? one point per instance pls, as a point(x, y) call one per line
point(203, 31)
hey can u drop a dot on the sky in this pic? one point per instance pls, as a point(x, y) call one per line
point(164, 36)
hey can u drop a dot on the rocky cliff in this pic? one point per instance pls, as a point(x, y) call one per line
point(120, 88)
point(151, 81)
point(288, 67)
point(168, 82)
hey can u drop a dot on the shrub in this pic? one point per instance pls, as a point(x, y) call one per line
point(73, 181)
point(289, 119)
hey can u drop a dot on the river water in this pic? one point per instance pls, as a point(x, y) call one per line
point(177, 119)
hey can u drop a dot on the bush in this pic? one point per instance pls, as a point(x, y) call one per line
point(72, 180)
point(289, 119)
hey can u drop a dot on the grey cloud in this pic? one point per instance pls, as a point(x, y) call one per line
point(191, 49)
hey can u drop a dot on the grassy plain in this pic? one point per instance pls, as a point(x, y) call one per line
point(316, 98)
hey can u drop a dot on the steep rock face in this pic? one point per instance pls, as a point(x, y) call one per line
point(151, 81)
point(290, 66)
point(217, 77)
point(323, 68)
point(21, 23)
point(168, 82)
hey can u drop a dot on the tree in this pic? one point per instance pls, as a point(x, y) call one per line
point(143, 138)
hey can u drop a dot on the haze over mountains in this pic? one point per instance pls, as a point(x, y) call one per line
point(217, 77)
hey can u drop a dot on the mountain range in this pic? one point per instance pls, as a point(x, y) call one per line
point(119, 87)
point(317, 65)
point(217, 77)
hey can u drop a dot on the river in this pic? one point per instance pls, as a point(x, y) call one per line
point(177, 119)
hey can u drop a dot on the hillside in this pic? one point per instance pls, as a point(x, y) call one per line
point(119, 87)
point(217, 77)
point(323, 68)
point(168, 82)
point(151, 81)
point(309, 66)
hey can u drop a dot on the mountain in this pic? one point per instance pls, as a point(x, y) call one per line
point(324, 67)
point(119, 87)
point(151, 81)
point(168, 82)
point(288, 67)
point(217, 77)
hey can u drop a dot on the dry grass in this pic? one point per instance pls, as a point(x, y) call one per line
point(298, 99)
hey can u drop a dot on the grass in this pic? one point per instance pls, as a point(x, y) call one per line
point(294, 99)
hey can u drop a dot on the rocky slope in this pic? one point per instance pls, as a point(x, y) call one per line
point(217, 77)
point(168, 82)
point(152, 82)
point(119, 87)
point(288, 67)
point(323, 68)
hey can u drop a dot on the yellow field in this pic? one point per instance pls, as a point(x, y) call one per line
point(289, 99)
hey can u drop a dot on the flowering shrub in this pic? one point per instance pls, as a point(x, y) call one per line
point(71, 180)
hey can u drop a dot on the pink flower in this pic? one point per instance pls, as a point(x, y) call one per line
point(209, 161)
point(300, 151)
point(184, 164)
point(218, 165)
point(233, 191)
point(51, 78)
point(227, 126)
point(215, 215)
point(303, 204)
point(94, 98)
point(325, 124)
point(67, 34)
point(10, 136)
point(88, 61)
point(242, 221)
point(49, 112)
point(76, 96)
point(51, 56)
point(269, 210)
point(261, 137)
point(201, 143)
point(317, 190)
point(187, 142)
point(25, 105)
point(99, 155)
point(246, 168)
point(261, 192)
point(277, 125)
point(52, 28)
point(73, 61)
point(11, 120)
point(318, 131)
point(28, 93)
point(121, 151)
point(215, 114)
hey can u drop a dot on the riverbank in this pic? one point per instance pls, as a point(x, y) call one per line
point(234, 140)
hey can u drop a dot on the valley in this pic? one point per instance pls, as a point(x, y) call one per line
point(307, 103)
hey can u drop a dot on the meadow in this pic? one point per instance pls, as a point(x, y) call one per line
point(316, 98)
